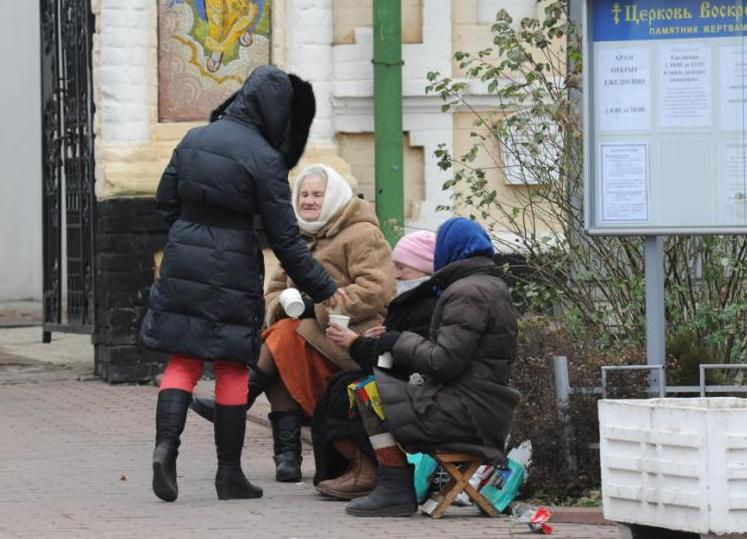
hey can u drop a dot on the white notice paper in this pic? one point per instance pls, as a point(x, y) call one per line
point(732, 184)
point(684, 86)
point(733, 91)
point(624, 170)
point(623, 90)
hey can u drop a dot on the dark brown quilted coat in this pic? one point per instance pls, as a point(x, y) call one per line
point(465, 403)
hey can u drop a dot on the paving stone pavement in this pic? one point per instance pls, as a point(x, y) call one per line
point(75, 463)
point(25, 358)
point(20, 313)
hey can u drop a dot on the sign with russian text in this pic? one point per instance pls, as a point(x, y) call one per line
point(666, 109)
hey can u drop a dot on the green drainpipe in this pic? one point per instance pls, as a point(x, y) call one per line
point(387, 61)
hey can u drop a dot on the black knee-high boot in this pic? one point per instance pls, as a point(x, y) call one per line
point(230, 428)
point(258, 382)
point(286, 435)
point(171, 413)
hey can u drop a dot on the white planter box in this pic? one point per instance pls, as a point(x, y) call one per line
point(679, 464)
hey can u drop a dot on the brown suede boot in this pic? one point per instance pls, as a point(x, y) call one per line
point(358, 481)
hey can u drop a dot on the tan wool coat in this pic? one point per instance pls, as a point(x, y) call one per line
point(355, 254)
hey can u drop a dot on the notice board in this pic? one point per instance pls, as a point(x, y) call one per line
point(664, 117)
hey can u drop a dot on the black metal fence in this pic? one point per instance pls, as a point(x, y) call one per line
point(68, 199)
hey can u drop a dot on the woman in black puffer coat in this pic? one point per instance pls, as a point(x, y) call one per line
point(207, 302)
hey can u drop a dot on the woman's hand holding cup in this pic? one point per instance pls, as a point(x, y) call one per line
point(340, 320)
point(340, 335)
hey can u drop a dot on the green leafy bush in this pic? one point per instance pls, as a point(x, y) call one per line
point(565, 456)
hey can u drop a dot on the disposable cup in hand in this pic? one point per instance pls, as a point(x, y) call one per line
point(386, 360)
point(339, 319)
point(292, 302)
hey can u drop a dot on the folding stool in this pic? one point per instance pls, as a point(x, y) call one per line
point(435, 508)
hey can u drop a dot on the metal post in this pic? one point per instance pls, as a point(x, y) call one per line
point(655, 317)
point(389, 159)
point(656, 374)
point(703, 382)
point(562, 381)
point(562, 398)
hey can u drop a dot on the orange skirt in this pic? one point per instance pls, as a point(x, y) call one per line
point(304, 371)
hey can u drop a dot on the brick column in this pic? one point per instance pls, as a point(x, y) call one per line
point(128, 233)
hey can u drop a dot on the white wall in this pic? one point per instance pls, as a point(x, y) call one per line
point(309, 55)
point(20, 153)
point(126, 74)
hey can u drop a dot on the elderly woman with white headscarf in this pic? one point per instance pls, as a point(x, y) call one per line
point(297, 358)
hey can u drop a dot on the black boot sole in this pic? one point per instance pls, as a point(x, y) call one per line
point(401, 511)
point(161, 486)
point(288, 477)
point(287, 468)
point(343, 495)
point(227, 491)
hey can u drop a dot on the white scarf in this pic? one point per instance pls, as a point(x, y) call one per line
point(337, 195)
point(406, 286)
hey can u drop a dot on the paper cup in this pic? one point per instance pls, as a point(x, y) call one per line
point(386, 360)
point(292, 302)
point(339, 319)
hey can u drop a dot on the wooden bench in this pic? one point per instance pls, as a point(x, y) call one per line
point(451, 462)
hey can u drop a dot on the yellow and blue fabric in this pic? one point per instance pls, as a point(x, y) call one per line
point(368, 394)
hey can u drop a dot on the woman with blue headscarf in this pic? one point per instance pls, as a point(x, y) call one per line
point(464, 403)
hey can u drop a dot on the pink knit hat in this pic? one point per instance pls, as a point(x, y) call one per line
point(416, 250)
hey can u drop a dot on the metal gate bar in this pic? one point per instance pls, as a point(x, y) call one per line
point(67, 164)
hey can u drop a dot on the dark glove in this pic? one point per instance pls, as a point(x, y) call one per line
point(366, 363)
point(308, 311)
point(386, 342)
point(363, 352)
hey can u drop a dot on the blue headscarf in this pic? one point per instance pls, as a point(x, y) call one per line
point(459, 238)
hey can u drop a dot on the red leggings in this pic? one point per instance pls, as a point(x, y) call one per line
point(231, 378)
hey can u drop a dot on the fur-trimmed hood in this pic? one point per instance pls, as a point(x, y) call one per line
point(280, 105)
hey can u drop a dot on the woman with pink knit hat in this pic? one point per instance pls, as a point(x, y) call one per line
point(333, 431)
point(413, 259)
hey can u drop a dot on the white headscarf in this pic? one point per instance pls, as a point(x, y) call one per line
point(337, 195)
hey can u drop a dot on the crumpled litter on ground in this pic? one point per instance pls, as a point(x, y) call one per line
point(535, 517)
